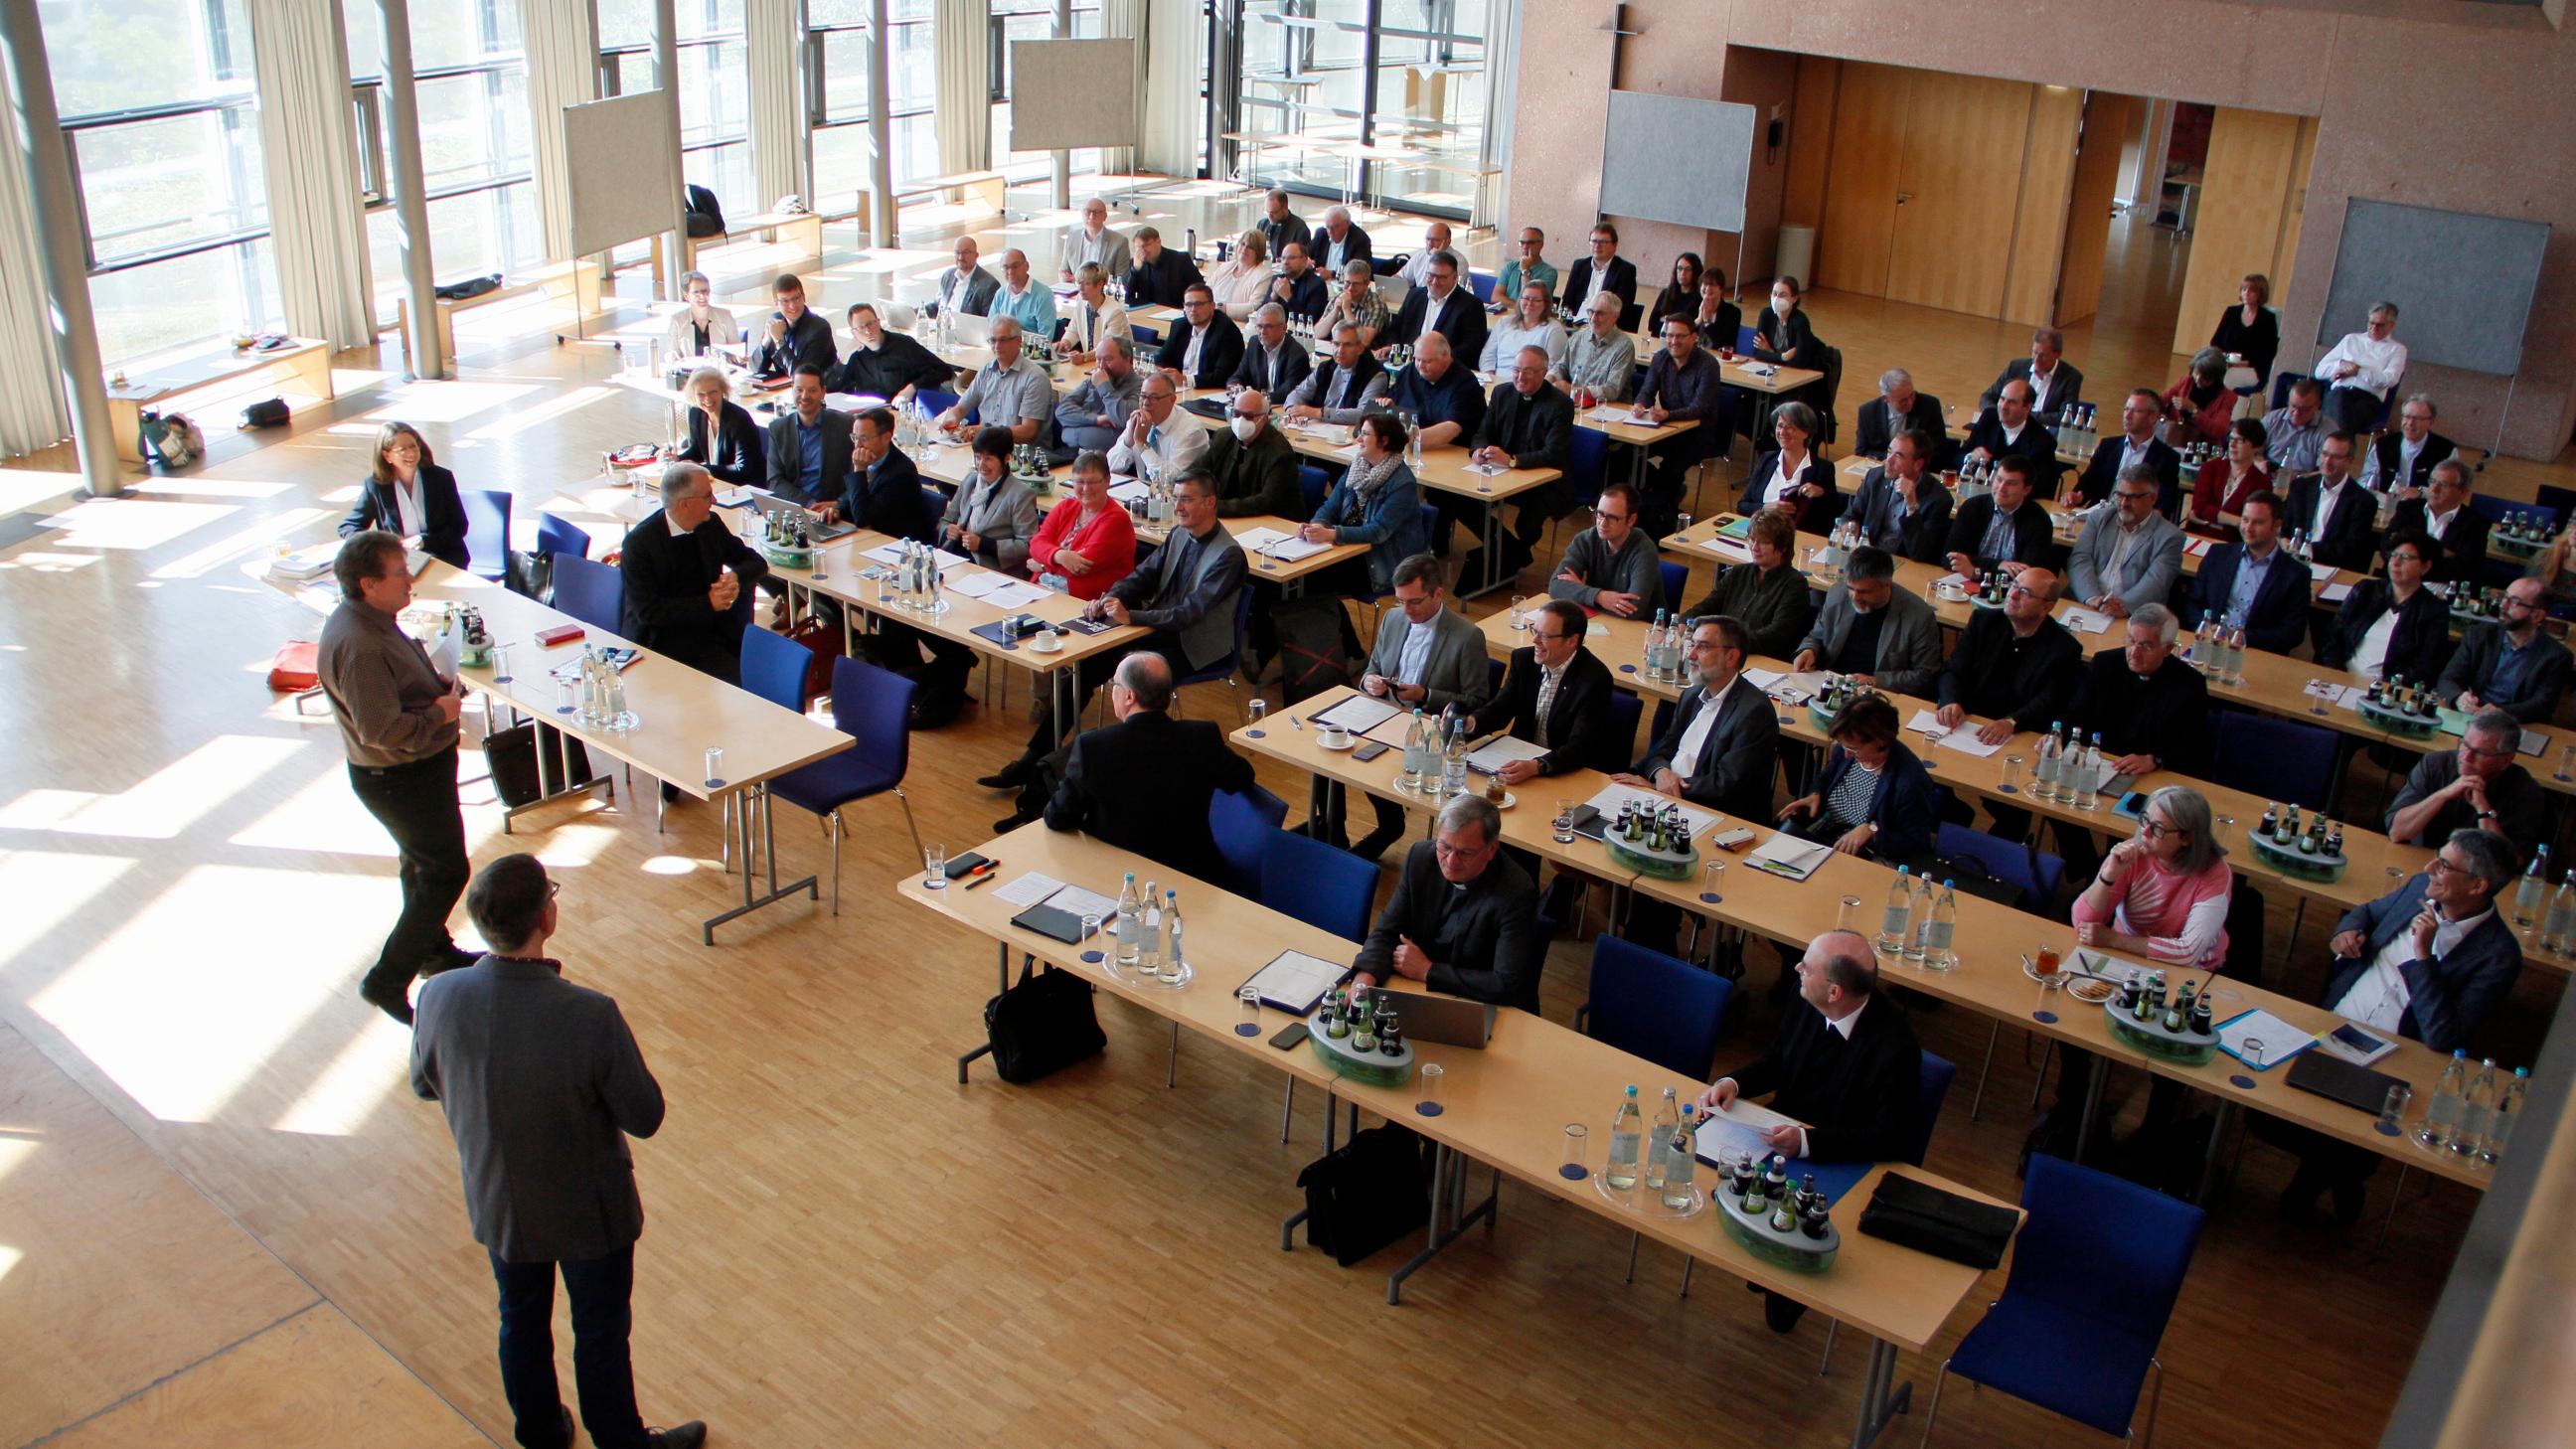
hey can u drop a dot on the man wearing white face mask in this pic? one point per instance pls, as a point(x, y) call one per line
point(1253, 465)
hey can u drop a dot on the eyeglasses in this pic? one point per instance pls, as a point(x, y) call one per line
point(1551, 638)
point(554, 888)
point(1458, 852)
point(2158, 830)
point(2441, 865)
point(2128, 497)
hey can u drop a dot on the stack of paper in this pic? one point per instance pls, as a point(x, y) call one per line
point(1359, 714)
point(1272, 543)
point(1788, 857)
point(2281, 1041)
point(306, 563)
point(1501, 750)
point(1294, 981)
point(1741, 1127)
point(975, 585)
point(2085, 621)
point(1014, 594)
point(1129, 490)
point(1613, 797)
point(893, 553)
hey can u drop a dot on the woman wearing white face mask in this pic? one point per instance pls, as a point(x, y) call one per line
point(1253, 465)
point(1783, 335)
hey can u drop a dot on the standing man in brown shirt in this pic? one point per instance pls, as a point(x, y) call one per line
point(397, 720)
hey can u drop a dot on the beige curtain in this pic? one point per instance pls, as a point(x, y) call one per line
point(312, 170)
point(1124, 20)
point(32, 412)
point(1502, 84)
point(562, 39)
point(1171, 116)
point(782, 149)
point(963, 63)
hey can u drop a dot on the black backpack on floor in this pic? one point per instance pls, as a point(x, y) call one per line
point(1366, 1193)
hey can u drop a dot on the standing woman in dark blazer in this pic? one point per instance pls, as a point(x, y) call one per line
point(722, 435)
point(406, 492)
point(1875, 798)
point(1681, 294)
point(2249, 330)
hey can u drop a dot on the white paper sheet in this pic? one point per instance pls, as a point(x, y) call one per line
point(1926, 723)
point(1612, 797)
point(1076, 901)
point(2085, 621)
point(2279, 1038)
point(1015, 594)
point(1029, 889)
point(1727, 549)
point(2322, 572)
point(1966, 743)
point(2197, 547)
point(893, 553)
point(2335, 593)
point(1501, 750)
point(1742, 1126)
point(1489, 470)
point(1799, 858)
point(1131, 488)
point(975, 585)
point(1359, 714)
point(1271, 543)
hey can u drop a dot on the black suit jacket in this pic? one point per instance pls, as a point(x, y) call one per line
point(2386, 451)
point(1273, 380)
point(2104, 470)
point(737, 456)
point(1537, 430)
point(1877, 430)
point(666, 582)
point(888, 500)
point(1143, 784)
point(2036, 443)
point(1307, 295)
point(2066, 386)
point(2535, 696)
point(1462, 321)
point(1482, 938)
point(542, 1084)
point(1968, 532)
point(1255, 480)
point(2464, 542)
point(2347, 540)
point(1355, 247)
point(897, 363)
point(787, 458)
point(1925, 531)
point(1620, 282)
point(1163, 281)
point(2418, 648)
point(1578, 732)
point(2449, 997)
point(2280, 616)
point(1861, 1099)
point(442, 514)
point(2166, 714)
point(1219, 356)
point(1735, 761)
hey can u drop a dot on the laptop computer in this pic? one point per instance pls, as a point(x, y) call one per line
point(815, 528)
point(1449, 1020)
point(969, 329)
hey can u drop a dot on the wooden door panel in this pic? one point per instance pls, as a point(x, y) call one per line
point(1859, 204)
point(1961, 168)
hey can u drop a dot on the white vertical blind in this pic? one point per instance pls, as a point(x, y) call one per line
point(315, 223)
point(1171, 118)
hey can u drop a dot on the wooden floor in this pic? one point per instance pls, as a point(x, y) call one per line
point(225, 1220)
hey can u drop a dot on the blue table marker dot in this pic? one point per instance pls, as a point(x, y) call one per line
point(1710, 898)
point(1573, 1172)
point(1091, 958)
point(1247, 1028)
point(1429, 1109)
point(2241, 1082)
point(2008, 789)
point(2385, 1129)
point(2044, 1018)
point(1627, 669)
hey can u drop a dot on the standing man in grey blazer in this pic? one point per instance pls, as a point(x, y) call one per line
point(1434, 662)
point(2132, 556)
point(1883, 636)
point(542, 1084)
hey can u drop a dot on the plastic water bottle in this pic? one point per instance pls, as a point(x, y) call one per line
point(1170, 969)
point(2088, 777)
point(2561, 920)
point(1417, 752)
point(615, 688)
point(1149, 938)
point(1453, 768)
point(1681, 1164)
point(1918, 923)
point(1659, 1142)
point(2043, 774)
point(1627, 1128)
point(2508, 1106)
point(2469, 1139)
point(1131, 923)
point(2236, 653)
point(2527, 891)
point(1900, 913)
point(2442, 1114)
point(1943, 929)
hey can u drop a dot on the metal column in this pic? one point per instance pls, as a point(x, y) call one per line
point(666, 74)
point(881, 225)
point(1064, 159)
point(410, 190)
point(63, 246)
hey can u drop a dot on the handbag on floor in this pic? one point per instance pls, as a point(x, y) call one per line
point(1366, 1193)
point(1041, 1025)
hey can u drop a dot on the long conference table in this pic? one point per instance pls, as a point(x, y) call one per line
point(1502, 1106)
point(1990, 943)
point(680, 713)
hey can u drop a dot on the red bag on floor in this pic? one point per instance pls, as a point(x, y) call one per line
point(825, 640)
point(296, 668)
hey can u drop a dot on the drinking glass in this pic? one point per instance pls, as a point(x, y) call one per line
point(934, 867)
point(1564, 823)
point(1258, 708)
point(2012, 775)
point(2392, 1113)
point(1429, 1077)
point(1247, 1011)
point(1847, 914)
point(715, 766)
point(2316, 703)
point(2044, 962)
point(563, 695)
point(1713, 878)
point(1681, 522)
point(1520, 621)
point(1091, 929)
point(2224, 829)
point(1576, 1166)
point(500, 663)
point(2250, 1051)
point(2567, 764)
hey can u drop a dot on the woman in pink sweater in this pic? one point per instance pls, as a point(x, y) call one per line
point(2163, 892)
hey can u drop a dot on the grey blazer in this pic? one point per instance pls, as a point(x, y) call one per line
point(1004, 515)
point(2147, 576)
point(787, 460)
point(2535, 697)
point(1909, 645)
point(1455, 670)
point(542, 1084)
point(980, 290)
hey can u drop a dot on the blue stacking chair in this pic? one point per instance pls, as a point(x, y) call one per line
point(934, 504)
point(590, 591)
point(2277, 759)
point(937, 400)
point(1626, 708)
point(1587, 467)
point(2107, 1294)
point(1676, 581)
point(561, 535)
point(1654, 1006)
point(1328, 889)
point(1228, 667)
point(871, 706)
point(1483, 283)
point(774, 667)
point(487, 531)
point(2035, 873)
point(1243, 825)
point(1315, 484)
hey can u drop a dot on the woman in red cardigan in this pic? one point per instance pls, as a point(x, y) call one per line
point(1087, 541)
point(2218, 494)
point(2199, 406)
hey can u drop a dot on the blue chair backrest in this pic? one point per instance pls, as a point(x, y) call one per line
point(1316, 483)
point(934, 504)
point(1626, 708)
point(2281, 382)
point(590, 591)
point(2034, 874)
point(873, 706)
point(1588, 463)
point(774, 667)
point(2278, 759)
point(2497, 510)
point(1220, 668)
point(2127, 1277)
point(487, 530)
point(1650, 1005)
point(1744, 337)
point(1326, 888)
point(1243, 825)
point(561, 535)
point(1493, 678)
point(934, 399)
point(1429, 521)
point(1676, 580)
point(2561, 502)
point(1938, 1072)
point(1483, 282)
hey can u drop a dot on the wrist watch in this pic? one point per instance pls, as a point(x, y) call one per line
point(2486, 815)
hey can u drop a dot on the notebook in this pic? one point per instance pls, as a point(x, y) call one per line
point(2359, 1088)
point(1295, 982)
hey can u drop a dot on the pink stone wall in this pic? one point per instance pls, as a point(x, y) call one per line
point(2431, 102)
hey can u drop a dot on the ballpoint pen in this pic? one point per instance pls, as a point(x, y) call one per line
point(982, 873)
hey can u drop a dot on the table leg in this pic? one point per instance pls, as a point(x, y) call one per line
point(1878, 1404)
point(1288, 1224)
point(751, 800)
point(2209, 1157)
point(1002, 963)
point(2092, 1103)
